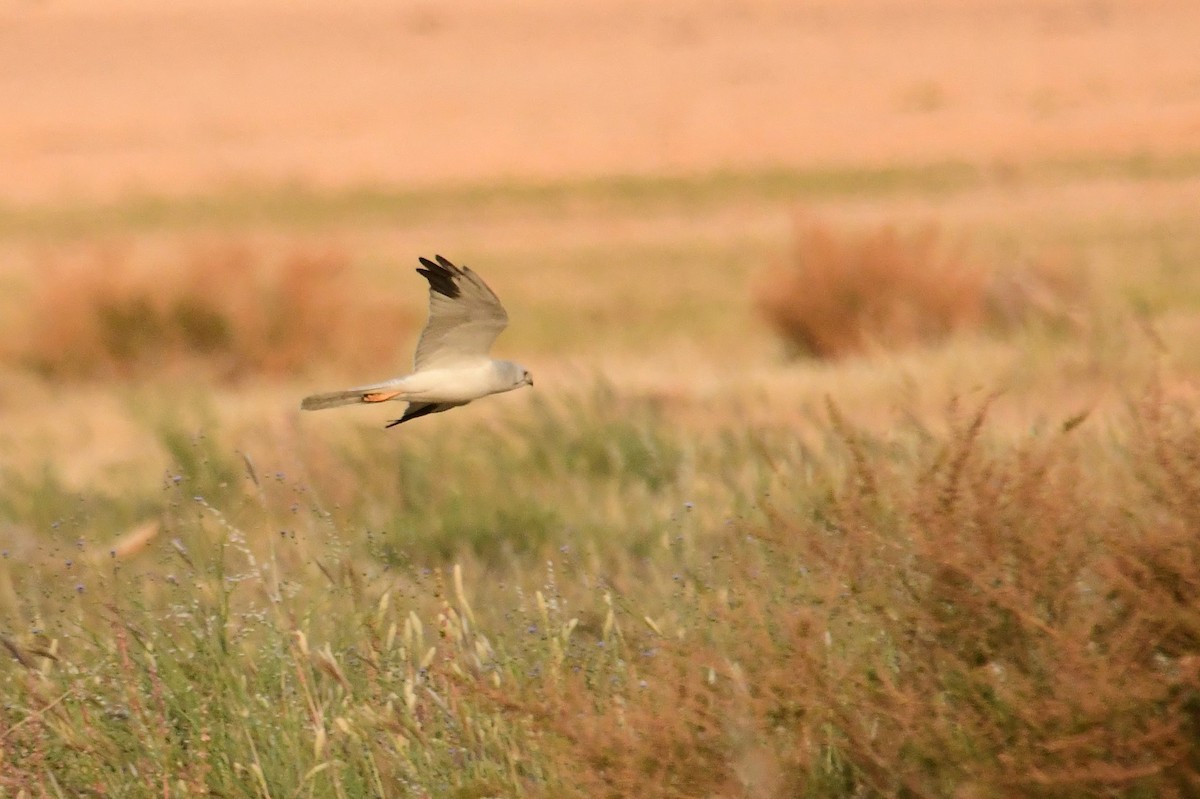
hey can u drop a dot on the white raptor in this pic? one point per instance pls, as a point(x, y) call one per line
point(451, 366)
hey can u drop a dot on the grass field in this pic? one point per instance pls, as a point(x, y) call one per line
point(682, 566)
point(864, 453)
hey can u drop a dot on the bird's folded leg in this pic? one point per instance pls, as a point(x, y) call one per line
point(380, 396)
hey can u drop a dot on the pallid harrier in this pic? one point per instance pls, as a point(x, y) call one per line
point(451, 366)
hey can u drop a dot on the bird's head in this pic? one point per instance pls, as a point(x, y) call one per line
point(516, 374)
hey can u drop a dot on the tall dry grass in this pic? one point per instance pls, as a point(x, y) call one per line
point(911, 615)
point(843, 293)
point(986, 621)
point(225, 308)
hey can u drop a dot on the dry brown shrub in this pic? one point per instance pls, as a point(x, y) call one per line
point(845, 293)
point(1042, 621)
point(222, 307)
point(1008, 621)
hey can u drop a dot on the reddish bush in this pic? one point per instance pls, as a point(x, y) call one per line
point(843, 294)
point(224, 308)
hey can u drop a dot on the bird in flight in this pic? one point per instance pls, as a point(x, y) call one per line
point(451, 366)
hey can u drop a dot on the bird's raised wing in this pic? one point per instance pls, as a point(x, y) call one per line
point(465, 316)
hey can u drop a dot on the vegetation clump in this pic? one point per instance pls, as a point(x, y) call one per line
point(844, 293)
point(224, 309)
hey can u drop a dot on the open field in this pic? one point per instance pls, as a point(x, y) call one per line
point(962, 561)
point(337, 94)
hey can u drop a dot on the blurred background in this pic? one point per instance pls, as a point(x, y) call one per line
point(232, 195)
point(864, 439)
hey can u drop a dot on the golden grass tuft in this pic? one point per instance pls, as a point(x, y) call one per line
point(222, 307)
point(846, 293)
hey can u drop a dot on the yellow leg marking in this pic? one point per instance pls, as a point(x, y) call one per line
point(380, 396)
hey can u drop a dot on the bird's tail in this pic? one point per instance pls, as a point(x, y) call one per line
point(351, 396)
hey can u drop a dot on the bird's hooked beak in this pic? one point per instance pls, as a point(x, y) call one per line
point(528, 380)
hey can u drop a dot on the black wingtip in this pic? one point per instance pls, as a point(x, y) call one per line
point(417, 410)
point(440, 276)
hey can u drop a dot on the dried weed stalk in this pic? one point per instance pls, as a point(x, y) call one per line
point(1005, 621)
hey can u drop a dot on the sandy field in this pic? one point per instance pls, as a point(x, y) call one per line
point(105, 103)
point(166, 98)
